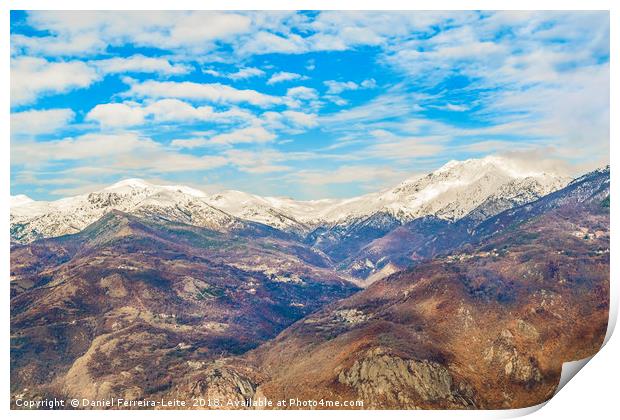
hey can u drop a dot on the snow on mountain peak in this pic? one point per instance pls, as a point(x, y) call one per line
point(514, 168)
point(448, 166)
point(131, 183)
point(36, 219)
point(184, 190)
point(20, 200)
point(450, 192)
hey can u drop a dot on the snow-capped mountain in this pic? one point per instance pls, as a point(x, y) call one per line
point(477, 186)
point(449, 193)
point(20, 199)
point(278, 212)
point(452, 191)
point(488, 186)
point(42, 219)
point(515, 193)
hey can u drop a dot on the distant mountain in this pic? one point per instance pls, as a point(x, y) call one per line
point(404, 246)
point(156, 298)
point(588, 188)
point(281, 213)
point(484, 186)
point(515, 193)
point(426, 237)
point(487, 326)
point(455, 189)
point(35, 220)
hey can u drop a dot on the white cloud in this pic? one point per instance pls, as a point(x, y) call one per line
point(129, 113)
point(449, 106)
point(573, 112)
point(58, 46)
point(257, 161)
point(40, 121)
point(303, 97)
point(241, 74)
point(292, 122)
point(197, 27)
point(373, 176)
point(334, 87)
point(336, 99)
point(301, 119)
point(189, 143)
point(391, 104)
point(246, 73)
point(122, 152)
point(116, 115)
point(176, 110)
point(394, 147)
point(266, 42)
point(84, 147)
point(33, 77)
point(140, 64)
point(212, 72)
point(252, 134)
point(211, 92)
point(91, 32)
point(302, 92)
point(284, 76)
point(338, 31)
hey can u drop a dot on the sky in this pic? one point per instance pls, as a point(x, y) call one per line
point(307, 105)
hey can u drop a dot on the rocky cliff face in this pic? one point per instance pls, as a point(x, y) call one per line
point(390, 381)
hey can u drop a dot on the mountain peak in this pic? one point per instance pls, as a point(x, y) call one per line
point(514, 168)
point(130, 183)
point(133, 184)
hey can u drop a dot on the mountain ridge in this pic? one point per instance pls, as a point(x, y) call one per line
point(451, 192)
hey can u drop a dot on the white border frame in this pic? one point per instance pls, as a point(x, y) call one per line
point(593, 394)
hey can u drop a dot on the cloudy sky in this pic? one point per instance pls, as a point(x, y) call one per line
point(307, 105)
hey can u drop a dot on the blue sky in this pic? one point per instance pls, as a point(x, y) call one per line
point(301, 104)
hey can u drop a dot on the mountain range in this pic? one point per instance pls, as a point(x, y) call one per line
point(486, 327)
point(464, 288)
point(473, 190)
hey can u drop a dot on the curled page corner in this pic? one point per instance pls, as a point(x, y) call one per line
point(518, 412)
point(613, 315)
point(569, 370)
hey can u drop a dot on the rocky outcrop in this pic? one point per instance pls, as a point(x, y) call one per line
point(384, 380)
point(517, 366)
point(222, 384)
